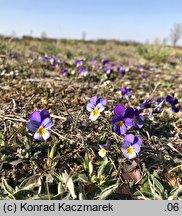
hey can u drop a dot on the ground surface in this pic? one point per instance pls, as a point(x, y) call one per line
point(68, 166)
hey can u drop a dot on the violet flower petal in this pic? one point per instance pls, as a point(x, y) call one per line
point(119, 130)
point(90, 107)
point(119, 110)
point(129, 138)
point(126, 144)
point(138, 141)
point(44, 114)
point(100, 107)
point(128, 122)
point(47, 123)
point(33, 125)
point(169, 99)
point(129, 113)
point(136, 148)
point(103, 101)
point(123, 130)
point(116, 118)
point(93, 100)
point(175, 109)
point(35, 116)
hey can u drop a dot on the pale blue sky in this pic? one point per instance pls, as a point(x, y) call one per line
point(138, 20)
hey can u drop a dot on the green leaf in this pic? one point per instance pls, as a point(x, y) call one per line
point(154, 190)
point(7, 187)
point(176, 194)
point(85, 161)
point(30, 183)
point(82, 194)
point(60, 188)
point(108, 168)
point(83, 178)
point(52, 152)
point(42, 187)
point(100, 170)
point(158, 184)
point(90, 166)
point(69, 184)
point(104, 166)
point(108, 191)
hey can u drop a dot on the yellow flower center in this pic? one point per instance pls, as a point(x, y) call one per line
point(120, 124)
point(130, 150)
point(95, 112)
point(41, 131)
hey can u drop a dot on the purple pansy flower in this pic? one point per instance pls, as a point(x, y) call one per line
point(145, 103)
point(131, 146)
point(140, 68)
point(44, 59)
point(103, 149)
point(107, 70)
point(173, 102)
point(51, 59)
point(105, 62)
point(122, 119)
point(40, 123)
point(159, 104)
point(95, 107)
point(57, 63)
point(121, 69)
point(63, 71)
point(94, 61)
point(138, 119)
point(143, 76)
point(79, 62)
point(126, 93)
point(131, 66)
point(82, 71)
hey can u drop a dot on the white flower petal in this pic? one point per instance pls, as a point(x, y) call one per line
point(47, 123)
point(94, 117)
point(37, 136)
point(46, 135)
point(100, 107)
point(129, 156)
point(42, 137)
point(102, 152)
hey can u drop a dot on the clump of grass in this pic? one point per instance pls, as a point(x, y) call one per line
point(154, 53)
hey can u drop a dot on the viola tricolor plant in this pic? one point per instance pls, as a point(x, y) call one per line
point(40, 123)
point(159, 104)
point(122, 119)
point(173, 102)
point(138, 119)
point(95, 107)
point(121, 69)
point(131, 146)
point(126, 118)
point(103, 150)
point(126, 93)
point(82, 71)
